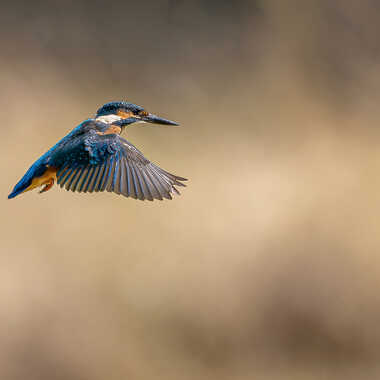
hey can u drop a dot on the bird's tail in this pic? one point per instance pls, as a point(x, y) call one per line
point(26, 182)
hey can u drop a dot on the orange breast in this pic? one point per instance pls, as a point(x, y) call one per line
point(50, 174)
point(111, 129)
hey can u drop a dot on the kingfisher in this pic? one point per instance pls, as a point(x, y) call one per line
point(93, 157)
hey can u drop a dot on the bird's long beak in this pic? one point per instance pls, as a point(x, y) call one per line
point(150, 118)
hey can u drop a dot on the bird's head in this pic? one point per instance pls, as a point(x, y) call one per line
point(123, 113)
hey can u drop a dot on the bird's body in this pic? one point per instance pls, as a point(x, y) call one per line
point(94, 157)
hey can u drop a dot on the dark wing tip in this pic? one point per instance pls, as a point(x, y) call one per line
point(181, 178)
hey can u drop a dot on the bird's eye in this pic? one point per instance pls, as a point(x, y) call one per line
point(143, 113)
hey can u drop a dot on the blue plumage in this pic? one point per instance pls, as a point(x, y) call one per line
point(112, 107)
point(36, 170)
point(93, 157)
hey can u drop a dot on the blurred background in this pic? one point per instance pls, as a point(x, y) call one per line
point(268, 264)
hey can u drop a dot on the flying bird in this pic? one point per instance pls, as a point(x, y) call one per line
point(94, 157)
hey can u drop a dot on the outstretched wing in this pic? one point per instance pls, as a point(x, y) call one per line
point(110, 163)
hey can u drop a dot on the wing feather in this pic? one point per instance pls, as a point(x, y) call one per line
point(62, 172)
point(97, 163)
point(159, 189)
point(70, 175)
point(143, 191)
point(72, 178)
point(123, 179)
point(115, 186)
point(136, 186)
point(84, 178)
point(154, 194)
point(131, 185)
point(147, 185)
point(78, 181)
point(102, 173)
point(112, 180)
point(94, 177)
point(107, 177)
point(87, 179)
point(165, 184)
point(62, 179)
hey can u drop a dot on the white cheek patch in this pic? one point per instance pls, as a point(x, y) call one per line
point(108, 119)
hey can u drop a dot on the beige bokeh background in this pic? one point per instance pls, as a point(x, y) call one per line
point(267, 266)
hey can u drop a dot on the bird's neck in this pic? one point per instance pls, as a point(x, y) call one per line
point(108, 119)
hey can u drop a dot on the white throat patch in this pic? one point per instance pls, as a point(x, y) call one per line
point(108, 119)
